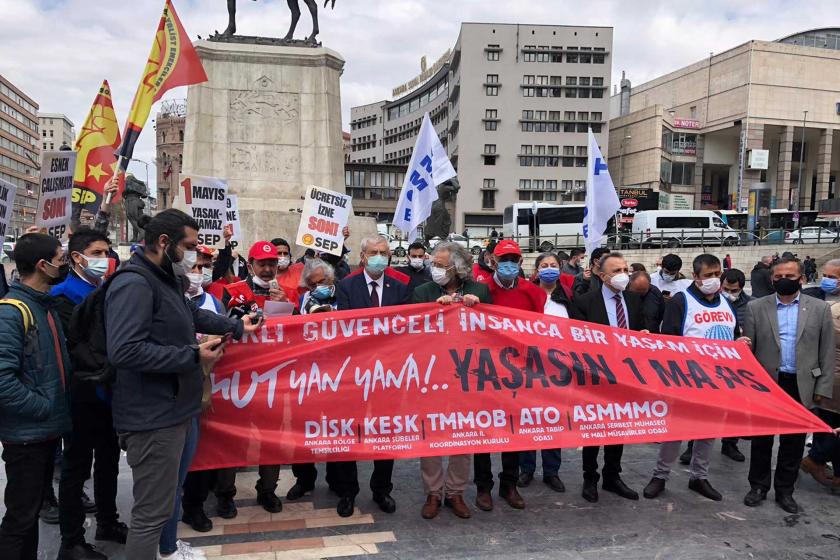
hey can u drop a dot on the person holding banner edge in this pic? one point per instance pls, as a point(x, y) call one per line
point(452, 282)
point(613, 306)
point(370, 288)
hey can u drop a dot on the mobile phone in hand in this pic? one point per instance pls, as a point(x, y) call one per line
point(274, 284)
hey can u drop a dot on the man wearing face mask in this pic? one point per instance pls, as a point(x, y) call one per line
point(262, 280)
point(288, 273)
point(200, 277)
point(590, 280)
point(452, 282)
point(792, 337)
point(697, 312)
point(572, 266)
point(34, 380)
point(90, 405)
point(416, 269)
point(614, 306)
point(371, 287)
point(669, 280)
point(507, 289)
point(151, 339)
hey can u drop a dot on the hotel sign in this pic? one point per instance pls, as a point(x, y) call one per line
point(425, 74)
point(687, 123)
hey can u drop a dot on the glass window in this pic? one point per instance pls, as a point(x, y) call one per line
point(488, 200)
point(492, 91)
point(682, 222)
point(489, 183)
point(492, 78)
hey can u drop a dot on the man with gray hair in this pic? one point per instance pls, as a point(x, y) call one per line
point(371, 286)
point(318, 279)
point(452, 282)
point(760, 278)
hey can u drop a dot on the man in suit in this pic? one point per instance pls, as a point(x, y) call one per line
point(792, 336)
point(371, 288)
point(613, 306)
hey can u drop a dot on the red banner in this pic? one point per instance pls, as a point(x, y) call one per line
point(424, 380)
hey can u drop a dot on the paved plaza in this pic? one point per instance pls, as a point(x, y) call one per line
point(678, 525)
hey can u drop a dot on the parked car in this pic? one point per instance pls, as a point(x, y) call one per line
point(474, 245)
point(677, 228)
point(8, 252)
point(811, 235)
point(399, 247)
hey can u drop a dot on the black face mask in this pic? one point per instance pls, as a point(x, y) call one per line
point(786, 286)
point(63, 270)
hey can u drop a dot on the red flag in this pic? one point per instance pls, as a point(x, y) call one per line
point(172, 63)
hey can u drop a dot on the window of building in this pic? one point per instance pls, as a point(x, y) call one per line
point(586, 55)
point(488, 200)
point(493, 53)
point(528, 56)
point(693, 111)
point(180, 135)
point(489, 148)
point(528, 79)
point(489, 184)
point(492, 91)
point(596, 116)
point(524, 184)
point(492, 79)
point(598, 55)
point(682, 173)
point(558, 55)
point(571, 57)
point(491, 125)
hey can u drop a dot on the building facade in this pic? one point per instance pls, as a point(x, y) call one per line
point(56, 130)
point(20, 153)
point(169, 131)
point(512, 104)
point(727, 132)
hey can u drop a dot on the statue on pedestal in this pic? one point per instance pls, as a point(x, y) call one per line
point(294, 7)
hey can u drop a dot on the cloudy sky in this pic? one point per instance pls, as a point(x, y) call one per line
point(58, 51)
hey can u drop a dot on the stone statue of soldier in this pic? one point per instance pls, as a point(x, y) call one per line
point(135, 192)
point(439, 223)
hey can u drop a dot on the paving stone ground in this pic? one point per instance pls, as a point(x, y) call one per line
point(679, 525)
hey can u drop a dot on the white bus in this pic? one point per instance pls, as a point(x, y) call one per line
point(557, 226)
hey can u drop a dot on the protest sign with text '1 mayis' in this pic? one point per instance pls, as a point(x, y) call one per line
point(56, 202)
point(7, 201)
point(424, 380)
point(205, 199)
point(325, 213)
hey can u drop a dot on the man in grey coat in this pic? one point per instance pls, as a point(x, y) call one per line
point(792, 336)
point(151, 336)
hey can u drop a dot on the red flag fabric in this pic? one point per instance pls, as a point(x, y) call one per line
point(172, 63)
point(422, 380)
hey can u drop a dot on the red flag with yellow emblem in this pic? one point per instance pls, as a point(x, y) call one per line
point(96, 162)
point(172, 63)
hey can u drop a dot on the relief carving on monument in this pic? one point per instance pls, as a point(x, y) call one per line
point(264, 117)
point(255, 161)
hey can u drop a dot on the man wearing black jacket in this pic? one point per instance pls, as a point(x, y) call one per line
point(416, 269)
point(609, 305)
point(151, 338)
point(653, 305)
point(760, 278)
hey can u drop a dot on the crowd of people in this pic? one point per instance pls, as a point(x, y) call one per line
point(98, 357)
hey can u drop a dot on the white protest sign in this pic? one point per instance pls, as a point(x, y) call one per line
point(7, 201)
point(205, 199)
point(232, 218)
point(325, 213)
point(55, 203)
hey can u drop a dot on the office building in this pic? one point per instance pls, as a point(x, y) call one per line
point(20, 153)
point(727, 132)
point(512, 104)
point(56, 130)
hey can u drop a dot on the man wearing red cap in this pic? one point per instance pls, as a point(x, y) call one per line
point(507, 289)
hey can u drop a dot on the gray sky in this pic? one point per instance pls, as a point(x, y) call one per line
point(58, 51)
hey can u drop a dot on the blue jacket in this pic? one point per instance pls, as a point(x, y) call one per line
point(34, 402)
point(152, 344)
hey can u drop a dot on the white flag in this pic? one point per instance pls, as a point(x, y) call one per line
point(601, 199)
point(429, 167)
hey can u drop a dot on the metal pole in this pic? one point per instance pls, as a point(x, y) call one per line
point(801, 158)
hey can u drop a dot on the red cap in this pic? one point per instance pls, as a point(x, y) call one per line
point(262, 250)
point(204, 250)
point(507, 247)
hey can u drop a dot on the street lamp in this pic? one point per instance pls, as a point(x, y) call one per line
point(621, 160)
point(801, 158)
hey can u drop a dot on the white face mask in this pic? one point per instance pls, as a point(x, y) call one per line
point(186, 264)
point(440, 276)
point(730, 296)
point(195, 284)
point(416, 263)
point(260, 282)
point(283, 263)
point(206, 276)
point(620, 281)
point(710, 286)
point(668, 277)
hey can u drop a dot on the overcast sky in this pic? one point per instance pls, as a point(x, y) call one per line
point(59, 51)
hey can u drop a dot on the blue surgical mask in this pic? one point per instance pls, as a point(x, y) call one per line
point(507, 270)
point(96, 267)
point(829, 285)
point(376, 265)
point(549, 275)
point(323, 293)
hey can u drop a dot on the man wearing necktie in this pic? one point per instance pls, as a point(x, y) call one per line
point(615, 307)
point(374, 287)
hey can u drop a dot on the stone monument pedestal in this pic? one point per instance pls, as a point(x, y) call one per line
point(269, 121)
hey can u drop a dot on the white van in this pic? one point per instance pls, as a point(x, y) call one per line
point(676, 228)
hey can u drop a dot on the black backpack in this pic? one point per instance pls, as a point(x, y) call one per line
point(86, 340)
